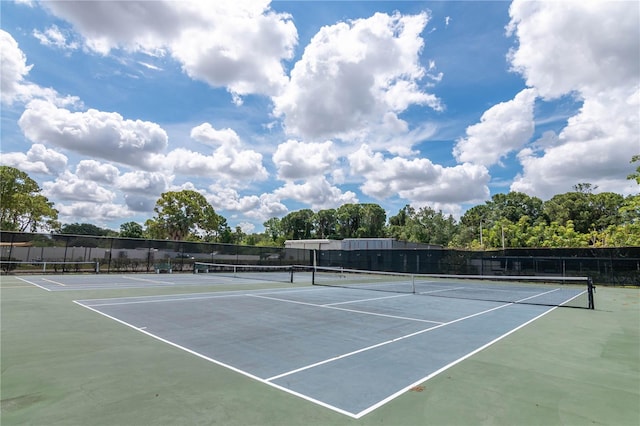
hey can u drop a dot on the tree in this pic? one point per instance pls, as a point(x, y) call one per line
point(514, 205)
point(436, 227)
point(400, 223)
point(424, 225)
point(630, 210)
point(185, 214)
point(22, 207)
point(473, 223)
point(325, 223)
point(212, 224)
point(131, 230)
point(273, 230)
point(587, 211)
point(85, 229)
point(606, 208)
point(348, 217)
point(372, 221)
point(238, 235)
point(298, 225)
point(635, 175)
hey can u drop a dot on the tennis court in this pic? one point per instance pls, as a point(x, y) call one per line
point(349, 350)
point(230, 349)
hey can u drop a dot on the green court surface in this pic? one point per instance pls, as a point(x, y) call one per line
point(65, 365)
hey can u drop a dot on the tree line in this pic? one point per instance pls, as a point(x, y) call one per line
point(579, 218)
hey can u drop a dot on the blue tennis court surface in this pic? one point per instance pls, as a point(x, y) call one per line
point(348, 350)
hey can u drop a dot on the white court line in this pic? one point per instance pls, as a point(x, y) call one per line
point(134, 302)
point(441, 290)
point(367, 300)
point(54, 282)
point(147, 280)
point(230, 367)
point(187, 296)
point(342, 309)
point(32, 283)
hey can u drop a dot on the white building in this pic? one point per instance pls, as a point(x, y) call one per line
point(355, 244)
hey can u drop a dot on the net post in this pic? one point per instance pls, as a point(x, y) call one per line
point(44, 267)
point(413, 284)
point(590, 291)
point(313, 275)
point(291, 275)
point(97, 267)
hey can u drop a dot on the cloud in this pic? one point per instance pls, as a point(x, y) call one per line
point(354, 73)
point(299, 160)
point(205, 133)
point(316, 192)
point(140, 203)
point(94, 185)
point(140, 182)
point(503, 128)
point(418, 180)
point(14, 68)
point(234, 44)
point(225, 163)
point(14, 87)
point(139, 144)
point(97, 172)
point(256, 207)
point(71, 187)
point(228, 162)
point(583, 46)
point(596, 147)
point(590, 50)
point(247, 227)
point(54, 37)
point(95, 213)
point(105, 135)
point(150, 66)
point(39, 159)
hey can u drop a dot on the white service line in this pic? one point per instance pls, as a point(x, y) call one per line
point(441, 290)
point(342, 309)
point(147, 280)
point(32, 283)
point(367, 300)
point(53, 282)
point(134, 302)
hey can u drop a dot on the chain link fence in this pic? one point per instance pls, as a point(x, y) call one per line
point(608, 266)
point(25, 252)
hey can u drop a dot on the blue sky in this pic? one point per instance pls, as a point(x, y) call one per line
point(270, 107)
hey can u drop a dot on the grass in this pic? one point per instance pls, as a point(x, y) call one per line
point(65, 365)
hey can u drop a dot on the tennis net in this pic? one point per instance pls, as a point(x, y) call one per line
point(274, 273)
point(48, 267)
point(536, 290)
